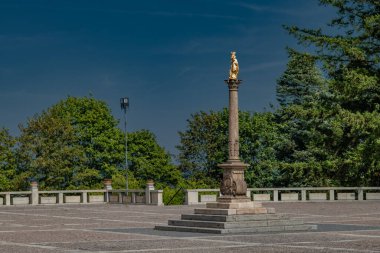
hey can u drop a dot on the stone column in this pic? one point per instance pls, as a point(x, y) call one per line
point(233, 186)
point(233, 120)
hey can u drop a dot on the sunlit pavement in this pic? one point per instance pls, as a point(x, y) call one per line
point(343, 227)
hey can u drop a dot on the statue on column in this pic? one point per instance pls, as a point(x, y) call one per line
point(234, 70)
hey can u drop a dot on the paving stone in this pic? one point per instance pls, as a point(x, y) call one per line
point(351, 227)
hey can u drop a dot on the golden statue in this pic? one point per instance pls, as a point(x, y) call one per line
point(234, 70)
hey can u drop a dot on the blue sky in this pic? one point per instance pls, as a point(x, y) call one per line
point(169, 57)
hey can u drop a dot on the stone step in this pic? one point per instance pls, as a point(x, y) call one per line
point(206, 217)
point(220, 211)
point(241, 224)
point(191, 223)
point(271, 229)
point(285, 222)
point(213, 224)
point(189, 229)
point(224, 218)
point(238, 230)
point(258, 210)
point(222, 205)
point(214, 211)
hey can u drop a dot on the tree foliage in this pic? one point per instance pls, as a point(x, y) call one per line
point(348, 112)
point(299, 91)
point(151, 161)
point(204, 145)
point(300, 82)
point(326, 130)
point(7, 160)
point(76, 144)
point(73, 144)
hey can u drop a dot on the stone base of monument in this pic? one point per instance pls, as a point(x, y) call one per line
point(238, 217)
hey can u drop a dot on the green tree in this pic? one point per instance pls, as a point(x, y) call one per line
point(204, 145)
point(260, 138)
point(48, 152)
point(151, 161)
point(76, 144)
point(299, 91)
point(97, 134)
point(7, 160)
point(73, 144)
point(301, 81)
point(348, 127)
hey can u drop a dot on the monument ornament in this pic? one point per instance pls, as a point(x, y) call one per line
point(234, 70)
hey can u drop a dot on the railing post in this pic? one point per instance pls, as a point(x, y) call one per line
point(34, 189)
point(149, 187)
point(133, 198)
point(84, 197)
point(332, 195)
point(275, 195)
point(7, 199)
point(157, 198)
point(360, 194)
point(191, 197)
point(108, 186)
point(120, 197)
point(303, 195)
point(249, 194)
point(60, 197)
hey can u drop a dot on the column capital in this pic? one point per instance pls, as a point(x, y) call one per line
point(233, 84)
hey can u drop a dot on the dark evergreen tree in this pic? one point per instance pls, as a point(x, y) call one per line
point(7, 160)
point(301, 81)
point(298, 91)
point(348, 132)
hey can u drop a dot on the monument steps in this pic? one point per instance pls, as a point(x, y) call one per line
point(305, 227)
point(223, 221)
point(237, 224)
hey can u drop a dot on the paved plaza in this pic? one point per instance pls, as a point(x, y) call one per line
point(343, 227)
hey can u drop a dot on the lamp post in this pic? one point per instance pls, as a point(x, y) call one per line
point(124, 104)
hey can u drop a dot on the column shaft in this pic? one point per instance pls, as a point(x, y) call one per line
point(233, 125)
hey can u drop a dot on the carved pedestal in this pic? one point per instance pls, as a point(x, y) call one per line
point(233, 186)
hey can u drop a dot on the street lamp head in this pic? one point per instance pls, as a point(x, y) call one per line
point(124, 103)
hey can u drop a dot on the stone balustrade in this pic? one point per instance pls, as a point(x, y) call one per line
point(149, 196)
point(198, 196)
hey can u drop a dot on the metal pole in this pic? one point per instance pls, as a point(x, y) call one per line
point(126, 152)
